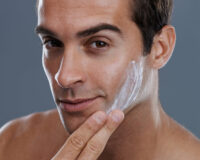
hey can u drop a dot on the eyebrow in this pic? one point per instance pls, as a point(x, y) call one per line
point(84, 33)
point(43, 30)
point(98, 28)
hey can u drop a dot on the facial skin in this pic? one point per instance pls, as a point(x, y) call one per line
point(82, 66)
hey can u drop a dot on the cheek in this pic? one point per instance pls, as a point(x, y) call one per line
point(46, 68)
point(108, 76)
point(50, 68)
point(51, 63)
point(113, 76)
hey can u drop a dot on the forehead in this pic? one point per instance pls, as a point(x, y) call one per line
point(79, 13)
point(78, 5)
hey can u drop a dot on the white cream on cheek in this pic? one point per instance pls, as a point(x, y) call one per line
point(128, 92)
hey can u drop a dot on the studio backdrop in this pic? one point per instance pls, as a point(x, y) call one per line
point(24, 88)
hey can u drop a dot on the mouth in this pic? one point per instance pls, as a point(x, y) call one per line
point(76, 105)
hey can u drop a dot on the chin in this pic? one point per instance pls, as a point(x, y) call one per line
point(73, 120)
point(71, 124)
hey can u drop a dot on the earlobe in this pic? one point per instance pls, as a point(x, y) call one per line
point(163, 46)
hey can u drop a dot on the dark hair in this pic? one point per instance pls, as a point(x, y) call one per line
point(151, 16)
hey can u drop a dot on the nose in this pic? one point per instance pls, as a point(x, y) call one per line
point(71, 73)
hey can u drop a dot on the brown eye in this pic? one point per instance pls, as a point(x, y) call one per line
point(99, 44)
point(52, 43)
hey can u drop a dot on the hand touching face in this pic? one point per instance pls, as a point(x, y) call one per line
point(89, 140)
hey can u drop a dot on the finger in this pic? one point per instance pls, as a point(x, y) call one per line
point(77, 141)
point(98, 142)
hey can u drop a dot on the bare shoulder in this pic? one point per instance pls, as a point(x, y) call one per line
point(27, 136)
point(181, 144)
point(189, 146)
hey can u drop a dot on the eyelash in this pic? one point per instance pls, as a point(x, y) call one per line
point(99, 44)
point(54, 43)
point(91, 45)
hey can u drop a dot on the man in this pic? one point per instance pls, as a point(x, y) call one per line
point(87, 47)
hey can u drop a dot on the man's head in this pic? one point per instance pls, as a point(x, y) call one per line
point(89, 44)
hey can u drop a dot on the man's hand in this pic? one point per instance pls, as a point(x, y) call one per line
point(89, 140)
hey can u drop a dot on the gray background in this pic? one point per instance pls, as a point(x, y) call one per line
point(24, 88)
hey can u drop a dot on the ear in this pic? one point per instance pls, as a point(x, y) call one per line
point(162, 47)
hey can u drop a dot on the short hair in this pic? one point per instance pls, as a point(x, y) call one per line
point(150, 16)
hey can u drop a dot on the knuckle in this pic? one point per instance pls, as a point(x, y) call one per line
point(109, 128)
point(77, 142)
point(95, 147)
point(91, 127)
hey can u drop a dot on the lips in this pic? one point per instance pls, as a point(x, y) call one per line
point(76, 105)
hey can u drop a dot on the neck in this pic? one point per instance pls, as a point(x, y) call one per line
point(139, 134)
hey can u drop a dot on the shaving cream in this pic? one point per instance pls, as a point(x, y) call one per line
point(129, 91)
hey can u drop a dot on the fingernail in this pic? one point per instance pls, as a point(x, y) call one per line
point(99, 117)
point(117, 116)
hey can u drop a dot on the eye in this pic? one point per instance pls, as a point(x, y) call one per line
point(52, 43)
point(98, 44)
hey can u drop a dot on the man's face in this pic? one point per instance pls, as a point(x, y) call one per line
point(87, 47)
